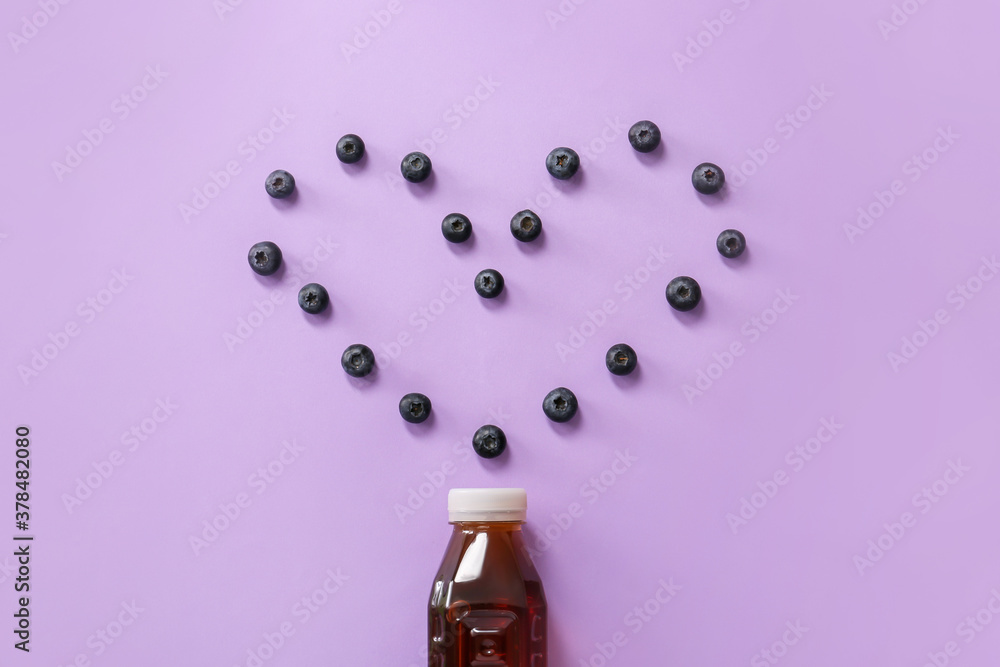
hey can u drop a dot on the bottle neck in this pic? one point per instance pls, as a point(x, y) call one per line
point(481, 526)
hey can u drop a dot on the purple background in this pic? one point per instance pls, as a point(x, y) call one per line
point(575, 75)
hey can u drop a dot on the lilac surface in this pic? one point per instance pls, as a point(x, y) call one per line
point(546, 75)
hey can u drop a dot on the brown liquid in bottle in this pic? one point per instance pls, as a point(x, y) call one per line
point(487, 607)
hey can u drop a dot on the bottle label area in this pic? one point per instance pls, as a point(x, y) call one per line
point(487, 638)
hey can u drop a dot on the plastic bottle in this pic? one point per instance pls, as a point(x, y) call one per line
point(487, 606)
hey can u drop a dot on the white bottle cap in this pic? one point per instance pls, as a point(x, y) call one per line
point(487, 505)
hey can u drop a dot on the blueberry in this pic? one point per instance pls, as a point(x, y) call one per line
point(415, 408)
point(620, 359)
point(731, 243)
point(489, 441)
point(416, 167)
point(644, 136)
point(489, 283)
point(265, 258)
point(708, 178)
point(683, 293)
point(525, 225)
point(560, 405)
point(279, 184)
point(562, 162)
point(456, 227)
point(350, 148)
point(313, 298)
point(358, 360)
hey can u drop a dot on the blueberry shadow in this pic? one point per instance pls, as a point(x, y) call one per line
point(573, 183)
point(497, 301)
point(424, 428)
point(717, 199)
point(499, 462)
point(653, 157)
point(277, 276)
point(737, 262)
point(533, 247)
point(630, 380)
point(287, 202)
point(364, 383)
point(425, 187)
point(351, 167)
point(691, 316)
point(465, 246)
point(318, 319)
point(567, 428)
